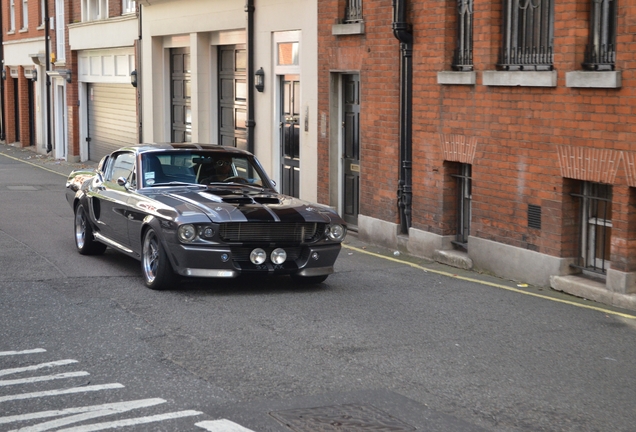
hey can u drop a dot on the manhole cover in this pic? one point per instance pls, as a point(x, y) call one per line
point(340, 418)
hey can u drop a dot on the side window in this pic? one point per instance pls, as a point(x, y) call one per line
point(122, 165)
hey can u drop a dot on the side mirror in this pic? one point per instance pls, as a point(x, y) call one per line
point(121, 181)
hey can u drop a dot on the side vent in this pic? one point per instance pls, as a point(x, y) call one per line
point(534, 216)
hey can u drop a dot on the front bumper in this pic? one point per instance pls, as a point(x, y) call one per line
point(230, 262)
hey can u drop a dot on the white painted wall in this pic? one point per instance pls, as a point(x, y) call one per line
point(202, 25)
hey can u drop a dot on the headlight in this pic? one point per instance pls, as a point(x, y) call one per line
point(258, 256)
point(336, 232)
point(187, 233)
point(278, 256)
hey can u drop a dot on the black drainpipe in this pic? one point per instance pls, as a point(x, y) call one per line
point(403, 33)
point(251, 123)
point(138, 63)
point(47, 59)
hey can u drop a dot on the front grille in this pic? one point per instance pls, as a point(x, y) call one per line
point(273, 232)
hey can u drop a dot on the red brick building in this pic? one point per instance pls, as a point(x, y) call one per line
point(497, 136)
point(22, 76)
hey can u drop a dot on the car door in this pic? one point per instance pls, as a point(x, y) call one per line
point(114, 198)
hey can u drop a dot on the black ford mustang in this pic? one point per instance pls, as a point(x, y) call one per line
point(201, 211)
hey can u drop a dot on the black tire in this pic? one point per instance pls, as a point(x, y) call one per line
point(155, 265)
point(309, 280)
point(84, 239)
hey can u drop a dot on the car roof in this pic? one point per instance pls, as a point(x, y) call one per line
point(161, 147)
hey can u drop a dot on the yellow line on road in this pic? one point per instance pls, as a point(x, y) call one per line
point(492, 284)
point(31, 163)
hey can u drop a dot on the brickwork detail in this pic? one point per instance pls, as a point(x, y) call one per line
point(589, 164)
point(458, 148)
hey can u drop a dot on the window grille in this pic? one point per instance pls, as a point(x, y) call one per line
point(464, 197)
point(353, 11)
point(527, 35)
point(600, 53)
point(463, 56)
point(596, 227)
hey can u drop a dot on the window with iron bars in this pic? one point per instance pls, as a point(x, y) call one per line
point(600, 53)
point(464, 197)
point(463, 55)
point(596, 227)
point(528, 33)
point(353, 11)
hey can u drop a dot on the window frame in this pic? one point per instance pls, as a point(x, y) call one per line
point(11, 16)
point(463, 54)
point(600, 52)
point(25, 15)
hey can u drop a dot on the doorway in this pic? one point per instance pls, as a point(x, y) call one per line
point(290, 135)
point(351, 147)
point(233, 96)
point(181, 97)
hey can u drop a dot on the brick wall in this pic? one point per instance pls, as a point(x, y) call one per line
point(376, 58)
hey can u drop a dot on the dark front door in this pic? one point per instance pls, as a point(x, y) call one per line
point(351, 156)
point(233, 96)
point(181, 98)
point(16, 109)
point(290, 135)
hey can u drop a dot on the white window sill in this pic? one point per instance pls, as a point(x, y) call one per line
point(593, 79)
point(347, 29)
point(520, 78)
point(456, 77)
point(11, 32)
point(24, 30)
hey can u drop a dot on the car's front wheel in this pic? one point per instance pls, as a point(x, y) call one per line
point(84, 240)
point(155, 266)
point(309, 280)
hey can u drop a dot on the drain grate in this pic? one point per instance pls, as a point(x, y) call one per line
point(340, 418)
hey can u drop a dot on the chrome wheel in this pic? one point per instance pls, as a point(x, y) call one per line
point(84, 240)
point(80, 227)
point(155, 264)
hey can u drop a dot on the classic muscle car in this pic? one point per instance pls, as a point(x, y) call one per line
point(200, 211)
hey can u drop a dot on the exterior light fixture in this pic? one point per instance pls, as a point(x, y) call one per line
point(259, 80)
point(68, 76)
point(34, 75)
point(4, 74)
point(133, 78)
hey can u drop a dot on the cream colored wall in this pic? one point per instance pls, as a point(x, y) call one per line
point(205, 23)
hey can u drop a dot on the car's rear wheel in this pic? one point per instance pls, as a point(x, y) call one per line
point(155, 266)
point(84, 239)
point(309, 280)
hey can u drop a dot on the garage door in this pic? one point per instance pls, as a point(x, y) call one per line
point(112, 118)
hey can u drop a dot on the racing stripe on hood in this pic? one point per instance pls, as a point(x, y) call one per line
point(257, 213)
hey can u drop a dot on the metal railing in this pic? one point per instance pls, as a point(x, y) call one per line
point(596, 227)
point(353, 11)
point(463, 55)
point(600, 53)
point(527, 35)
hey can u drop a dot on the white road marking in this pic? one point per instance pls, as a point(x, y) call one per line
point(60, 392)
point(132, 422)
point(36, 367)
point(141, 403)
point(222, 425)
point(42, 378)
point(31, 351)
point(93, 412)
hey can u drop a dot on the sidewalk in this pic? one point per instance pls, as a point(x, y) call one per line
point(29, 155)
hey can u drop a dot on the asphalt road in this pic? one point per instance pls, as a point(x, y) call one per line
point(388, 343)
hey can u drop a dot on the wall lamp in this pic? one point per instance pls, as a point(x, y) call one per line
point(259, 80)
point(4, 74)
point(34, 75)
point(133, 78)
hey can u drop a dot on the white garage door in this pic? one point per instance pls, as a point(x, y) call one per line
point(112, 118)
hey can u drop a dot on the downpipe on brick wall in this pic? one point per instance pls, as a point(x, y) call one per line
point(404, 34)
point(251, 123)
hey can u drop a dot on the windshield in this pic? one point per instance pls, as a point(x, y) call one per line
point(200, 167)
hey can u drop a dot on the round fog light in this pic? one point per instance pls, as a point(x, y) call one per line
point(225, 257)
point(258, 256)
point(315, 256)
point(278, 256)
